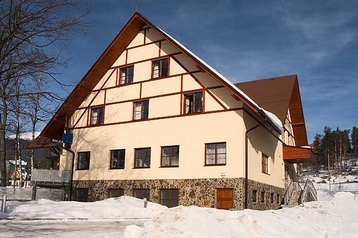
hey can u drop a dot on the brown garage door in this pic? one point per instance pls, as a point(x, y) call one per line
point(224, 198)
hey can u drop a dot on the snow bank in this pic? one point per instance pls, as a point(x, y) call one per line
point(113, 208)
point(315, 219)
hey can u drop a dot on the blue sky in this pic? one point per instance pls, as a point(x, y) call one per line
point(248, 40)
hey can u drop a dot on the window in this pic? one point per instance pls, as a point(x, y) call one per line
point(170, 156)
point(83, 160)
point(254, 195)
point(126, 75)
point(262, 197)
point(160, 68)
point(81, 194)
point(141, 193)
point(278, 198)
point(142, 158)
point(115, 192)
point(96, 117)
point(264, 162)
point(140, 110)
point(271, 198)
point(193, 103)
point(169, 197)
point(117, 159)
point(215, 154)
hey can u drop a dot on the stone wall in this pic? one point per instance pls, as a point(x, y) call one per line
point(198, 192)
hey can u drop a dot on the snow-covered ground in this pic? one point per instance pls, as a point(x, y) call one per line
point(334, 215)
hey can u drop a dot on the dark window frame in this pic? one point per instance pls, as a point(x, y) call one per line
point(99, 118)
point(216, 163)
point(81, 197)
point(262, 198)
point(118, 192)
point(80, 163)
point(191, 104)
point(162, 70)
point(254, 195)
point(170, 156)
point(169, 198)
point(141, 192)
point(142, 158)
point(264, 164)
point(272, 197)
point(121, 158)
point(126, 73)
point(144, 110)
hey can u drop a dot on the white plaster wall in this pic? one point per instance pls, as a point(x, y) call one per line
point(111, 74)
point(161, 86)
point(146, 51)
point(167, 48)
point(123, 93)
point(190, 133)
point(151, 36)
point(138, 40)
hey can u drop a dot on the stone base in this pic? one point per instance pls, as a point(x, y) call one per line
point(197, 192)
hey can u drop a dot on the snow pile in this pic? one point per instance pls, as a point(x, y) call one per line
point(113, 208)
point(334, 218)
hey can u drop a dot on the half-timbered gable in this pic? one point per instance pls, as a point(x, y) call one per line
point(151, 119)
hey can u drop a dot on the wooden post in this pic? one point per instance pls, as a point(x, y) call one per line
point(34, 188)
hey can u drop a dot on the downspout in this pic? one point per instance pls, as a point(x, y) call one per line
point(67, 147)
point(72, 167)
point(247, 163)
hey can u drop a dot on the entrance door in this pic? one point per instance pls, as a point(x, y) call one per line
point(224, 198)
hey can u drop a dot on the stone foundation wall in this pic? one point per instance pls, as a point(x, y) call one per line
point(198, 192)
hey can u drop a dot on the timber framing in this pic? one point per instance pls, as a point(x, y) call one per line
point(105, 62)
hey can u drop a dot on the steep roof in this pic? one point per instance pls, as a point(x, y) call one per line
point(277, 95)
point(56, 125)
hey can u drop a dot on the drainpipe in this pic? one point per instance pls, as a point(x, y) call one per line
point(67, 147)
point(247, 162)
point(72, 167)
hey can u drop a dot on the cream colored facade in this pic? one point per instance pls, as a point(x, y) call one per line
point(224, 119)
point(167, 125)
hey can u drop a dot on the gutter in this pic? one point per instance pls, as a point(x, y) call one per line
point(72, 167)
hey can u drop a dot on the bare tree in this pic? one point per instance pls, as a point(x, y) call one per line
point(34, 34)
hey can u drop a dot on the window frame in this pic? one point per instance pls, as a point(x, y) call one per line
point(170, 155)
point(215, 154)
point(161, 73)
point(141, 191)
point(265, 164)
point(191, 108)
point(117, 191)
point(120, 152)
point(272, 197)
point(86, 190)
point(99, 119)
point(169, 195)
point(144, 110)
point(254, 195)
point(143, 159)
point(128, 75)
point(262, 198)
point(88, 154)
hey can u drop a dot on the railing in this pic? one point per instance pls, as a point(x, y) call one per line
point(309, 192)
point(291, 187)
point(53, 176)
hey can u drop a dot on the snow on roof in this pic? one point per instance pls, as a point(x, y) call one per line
point(24, 135)
point(272, 117)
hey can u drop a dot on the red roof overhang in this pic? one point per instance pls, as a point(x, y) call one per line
point(293, 154)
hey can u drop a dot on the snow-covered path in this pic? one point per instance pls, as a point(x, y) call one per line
point(65, 228)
